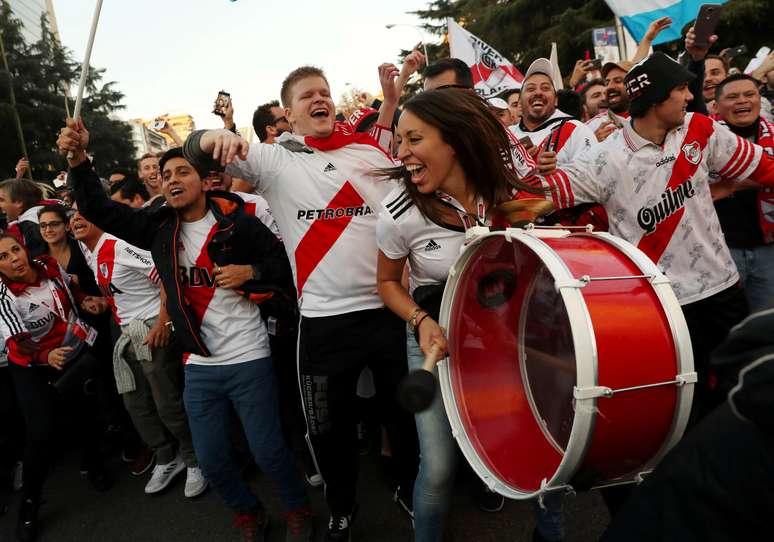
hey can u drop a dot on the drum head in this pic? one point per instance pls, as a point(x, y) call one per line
point(512, 364)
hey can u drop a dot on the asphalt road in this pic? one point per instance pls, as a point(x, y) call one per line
point(75, 512)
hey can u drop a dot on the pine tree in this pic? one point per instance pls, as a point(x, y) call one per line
point(40, 73)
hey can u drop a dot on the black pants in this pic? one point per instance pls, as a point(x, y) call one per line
point(709, 321)
point(40, 401)
point(284, 354)
point(333, 351)
point(11, 432)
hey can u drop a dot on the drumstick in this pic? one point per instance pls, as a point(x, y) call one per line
point(417, 389)
point(85, 66)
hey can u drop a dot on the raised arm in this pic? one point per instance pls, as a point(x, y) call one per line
point(134, 226)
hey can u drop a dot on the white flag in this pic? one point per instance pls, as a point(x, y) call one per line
point(492, 73)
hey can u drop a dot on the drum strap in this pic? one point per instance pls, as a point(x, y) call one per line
point(469, 220)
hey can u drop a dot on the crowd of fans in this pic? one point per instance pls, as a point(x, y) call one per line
point(232, 303)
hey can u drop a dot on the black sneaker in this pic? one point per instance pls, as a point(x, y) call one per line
point(27, 526)
point(339, 527)
point(489, 501)
point(405, 501)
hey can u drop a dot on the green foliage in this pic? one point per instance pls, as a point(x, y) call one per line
point(40, 73)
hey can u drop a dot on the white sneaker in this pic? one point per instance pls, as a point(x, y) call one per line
point(314, 480)
point(18, 476)
point(195, 483)
point(163, 475)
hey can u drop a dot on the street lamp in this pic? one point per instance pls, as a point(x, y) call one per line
point(421, 37)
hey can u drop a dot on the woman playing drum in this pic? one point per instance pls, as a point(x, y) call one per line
point(456, 168)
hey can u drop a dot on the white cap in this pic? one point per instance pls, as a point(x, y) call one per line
point(497, 103)
point(541, 65)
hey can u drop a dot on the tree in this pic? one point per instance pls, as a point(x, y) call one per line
point(40, 72)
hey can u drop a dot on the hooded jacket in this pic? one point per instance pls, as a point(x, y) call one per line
point(241, 239)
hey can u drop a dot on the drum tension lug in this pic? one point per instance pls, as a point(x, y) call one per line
point(592, 392)
point(687, 378)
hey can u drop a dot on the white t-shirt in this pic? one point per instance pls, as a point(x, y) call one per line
point(630, 177)
point(326, 204)
point(127, 277)
point(403, 231)
point(575, 139)
point(230, 325)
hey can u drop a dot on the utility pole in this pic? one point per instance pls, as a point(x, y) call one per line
point(19, 131)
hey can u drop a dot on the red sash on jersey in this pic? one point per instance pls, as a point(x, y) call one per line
point(699, 131)
point(766, 195)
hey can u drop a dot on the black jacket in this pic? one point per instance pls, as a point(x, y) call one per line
point(241, 239)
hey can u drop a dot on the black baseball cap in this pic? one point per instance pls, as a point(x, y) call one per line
point(652, 80)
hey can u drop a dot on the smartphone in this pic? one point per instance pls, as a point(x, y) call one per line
point(596, 64)
point(526, 142)
point(706, 22)
point(158, 124)
point(221, 103)
point(736, 51)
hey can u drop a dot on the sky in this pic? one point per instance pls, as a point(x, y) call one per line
point(173, 56)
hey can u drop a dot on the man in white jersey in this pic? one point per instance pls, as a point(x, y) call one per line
point(128, 280)
point(652, 178)
point(319, 186)
point(201, 243)
point(546, 126)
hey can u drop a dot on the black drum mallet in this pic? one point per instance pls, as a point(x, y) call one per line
point(417, 389)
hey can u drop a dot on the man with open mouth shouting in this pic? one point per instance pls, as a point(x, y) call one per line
point(318, 184)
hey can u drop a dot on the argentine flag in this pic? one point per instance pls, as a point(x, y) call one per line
point(636, 15)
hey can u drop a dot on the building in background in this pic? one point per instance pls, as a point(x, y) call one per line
point(146, 140)
point(247, 133)
point(29, 12)
point(182, 123)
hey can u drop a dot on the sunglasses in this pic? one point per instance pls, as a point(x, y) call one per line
point(281, 119)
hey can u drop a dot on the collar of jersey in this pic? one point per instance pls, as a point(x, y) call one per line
point(556, 117)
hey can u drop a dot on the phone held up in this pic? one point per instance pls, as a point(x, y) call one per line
point(158, 124)
point(221, 103)
point(706, 23)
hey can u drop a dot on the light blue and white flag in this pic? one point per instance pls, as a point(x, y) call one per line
point(636, 15)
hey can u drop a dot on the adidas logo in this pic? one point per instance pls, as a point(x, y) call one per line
point(329, 167)
point(33, 306)
point(431, 245)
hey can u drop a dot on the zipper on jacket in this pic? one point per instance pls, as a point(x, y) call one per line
point(176, 273)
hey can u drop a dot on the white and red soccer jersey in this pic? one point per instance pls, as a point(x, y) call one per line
point(325, 200)
point(573, 139)
point(658, 198)
point(127, 277)
point(258, 206)
point(523, 162)
point(402, 231)
point(40, 311)
point(230, 325)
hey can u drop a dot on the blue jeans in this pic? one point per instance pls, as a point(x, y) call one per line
point(251, 388)
point(437, 467)
point(437, 463)
point(756, 269)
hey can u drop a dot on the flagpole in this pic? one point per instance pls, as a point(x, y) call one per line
point(621, 39)
point(85, 65)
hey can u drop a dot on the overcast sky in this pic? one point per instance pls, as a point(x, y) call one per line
point(173, 56)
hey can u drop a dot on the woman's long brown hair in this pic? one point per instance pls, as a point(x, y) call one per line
point(480, 143)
